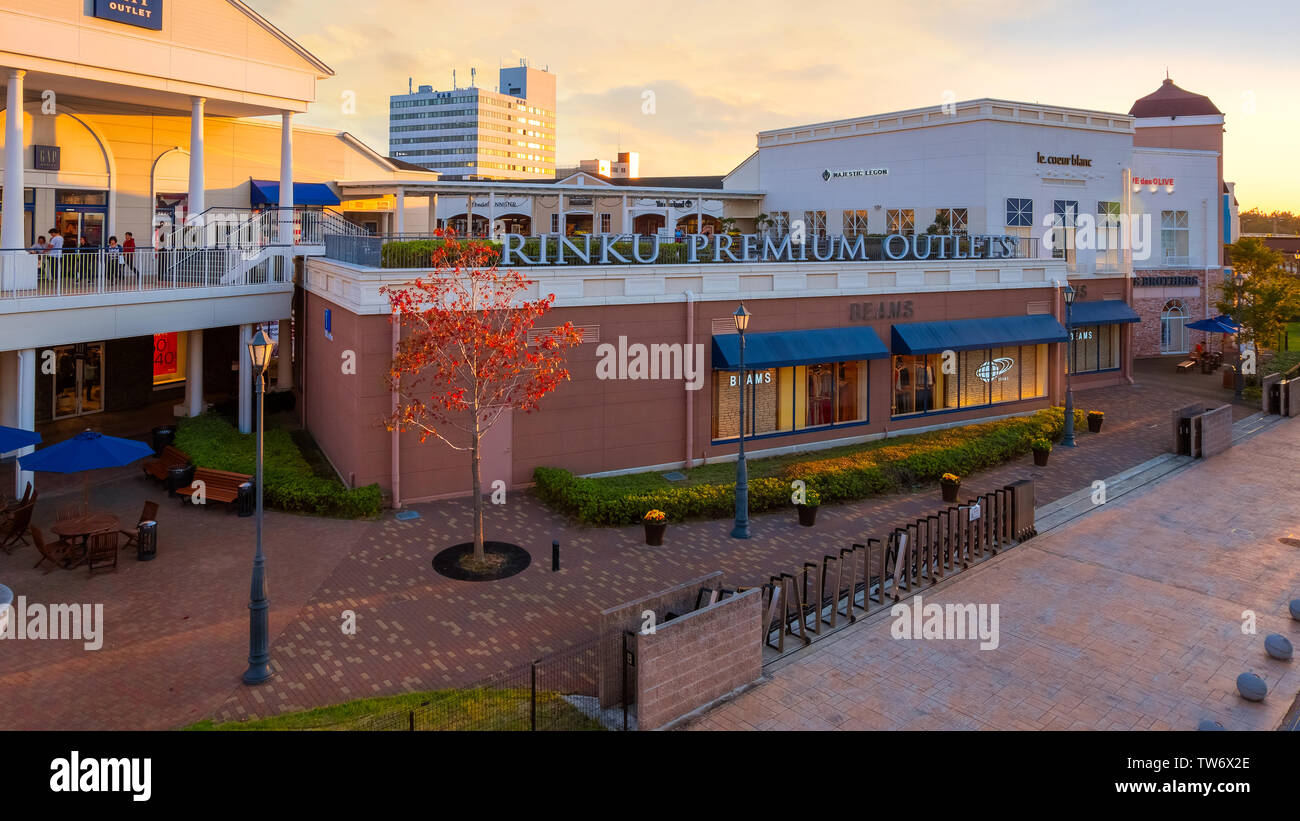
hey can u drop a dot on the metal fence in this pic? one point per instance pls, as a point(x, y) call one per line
point(558, 692)
point(84, 271)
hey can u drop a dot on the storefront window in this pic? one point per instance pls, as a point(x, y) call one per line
point(978, 378)
point(784, 400)
point(1096, 348)
point(169, 358)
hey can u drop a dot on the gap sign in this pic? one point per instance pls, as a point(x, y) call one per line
point(143, 13)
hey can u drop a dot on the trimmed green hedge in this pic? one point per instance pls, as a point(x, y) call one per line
point(291, 485)
point(875, 469)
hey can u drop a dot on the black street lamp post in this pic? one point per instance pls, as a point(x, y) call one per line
point(1068, 439)
point(1239, 383)
point(741, 529)
point(259, 637)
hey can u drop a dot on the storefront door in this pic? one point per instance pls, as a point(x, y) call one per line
point(78, 380)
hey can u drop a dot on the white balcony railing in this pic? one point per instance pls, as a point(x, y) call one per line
point(106, 271)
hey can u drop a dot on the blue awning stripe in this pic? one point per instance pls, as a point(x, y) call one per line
point(808, 347)
point(973, 334)
point(267, 192)
point(1102, 312)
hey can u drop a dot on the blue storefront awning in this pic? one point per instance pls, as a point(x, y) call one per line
point(973, 334)
point(810, 347)
point(1102, 312)
point(267, 192)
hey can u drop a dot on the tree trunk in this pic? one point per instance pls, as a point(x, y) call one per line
point(479, 554)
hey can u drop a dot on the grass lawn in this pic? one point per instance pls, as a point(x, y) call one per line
point(476, 709)
point(1293, 336)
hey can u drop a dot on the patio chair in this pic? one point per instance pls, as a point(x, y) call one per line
point(103, 551)
point(60, 553)
point(149, 513)
point(13, 505)
point(70, 512)
point(15, 529)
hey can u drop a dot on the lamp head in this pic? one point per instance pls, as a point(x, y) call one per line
point(259, 351)
point(741, 316)
point(1068, 293)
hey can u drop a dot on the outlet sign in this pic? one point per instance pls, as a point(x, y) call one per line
point(146, 14)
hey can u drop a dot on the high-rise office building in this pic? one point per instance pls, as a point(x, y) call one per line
point(478, 134)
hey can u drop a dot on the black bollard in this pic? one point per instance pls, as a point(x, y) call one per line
point(555, 555)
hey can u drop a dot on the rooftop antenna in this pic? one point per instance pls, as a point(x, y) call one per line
point(410, 85)
point(453, 79)
point(473, 73)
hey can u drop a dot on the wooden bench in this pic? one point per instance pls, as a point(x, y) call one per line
point(1186, 365)
point(218, 485)
point(168, 459)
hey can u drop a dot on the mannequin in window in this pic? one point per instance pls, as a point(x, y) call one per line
point(924, 385)
point(902, 387)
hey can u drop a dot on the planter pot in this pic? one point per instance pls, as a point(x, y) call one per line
point(950, 491)
point(1094, 424)
point(1040, 457)
point(807, 515)
point(654, 533)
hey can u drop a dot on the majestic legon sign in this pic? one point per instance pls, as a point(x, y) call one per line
point(609, 249)
point(143, 13)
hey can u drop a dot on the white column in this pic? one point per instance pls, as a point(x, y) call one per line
point(627, 217)
point(469, 216)
point(286, 179)
point(562, 215)
point(26, 386)
point(401, 211)
point(193, 375)
point(245, 380)
point(196, 203)
point(11, 232)
point(284, 370)
point(492, 214)
point(433, 213)
point(699, 215)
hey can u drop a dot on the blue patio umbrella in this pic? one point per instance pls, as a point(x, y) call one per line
point(84, 452)
point(12, 439)
point(1221, 324)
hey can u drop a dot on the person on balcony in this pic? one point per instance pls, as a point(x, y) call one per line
point(128, 252)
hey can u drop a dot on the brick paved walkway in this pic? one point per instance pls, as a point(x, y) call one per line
point(1128, 619)
point(177, 627)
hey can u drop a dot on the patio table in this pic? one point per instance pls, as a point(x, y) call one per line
point(83, 527)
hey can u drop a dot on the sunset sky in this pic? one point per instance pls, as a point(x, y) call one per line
point(722, 71)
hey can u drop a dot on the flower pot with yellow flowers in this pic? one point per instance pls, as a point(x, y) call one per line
point(656, 522)
point(808, 510)
point(1095, 418)
point(951, 484)
point(1042, 448)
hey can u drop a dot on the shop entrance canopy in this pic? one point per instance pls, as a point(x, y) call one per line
point(785, 348)
point(1102, 312)
point(267, 192)
point(1221, 324)
point(917, 338)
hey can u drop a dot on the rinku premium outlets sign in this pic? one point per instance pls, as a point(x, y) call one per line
point(624, 249)
point(1164, 282)
point(143, 13)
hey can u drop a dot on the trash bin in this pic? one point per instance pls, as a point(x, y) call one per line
point(245, 503)
point(146, 541)
point(179, 477)
point(163, 435)
point(1230, 376)
point(1185, 436)
point(1275, 398)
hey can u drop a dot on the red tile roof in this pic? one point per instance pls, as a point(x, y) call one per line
point(1171, 101)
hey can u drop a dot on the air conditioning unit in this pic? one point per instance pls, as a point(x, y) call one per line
point(1022, 509)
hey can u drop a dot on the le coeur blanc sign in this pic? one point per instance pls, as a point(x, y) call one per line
point(610, 249)
point(146, 14)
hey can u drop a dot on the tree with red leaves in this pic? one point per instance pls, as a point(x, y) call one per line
point(468, 356)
